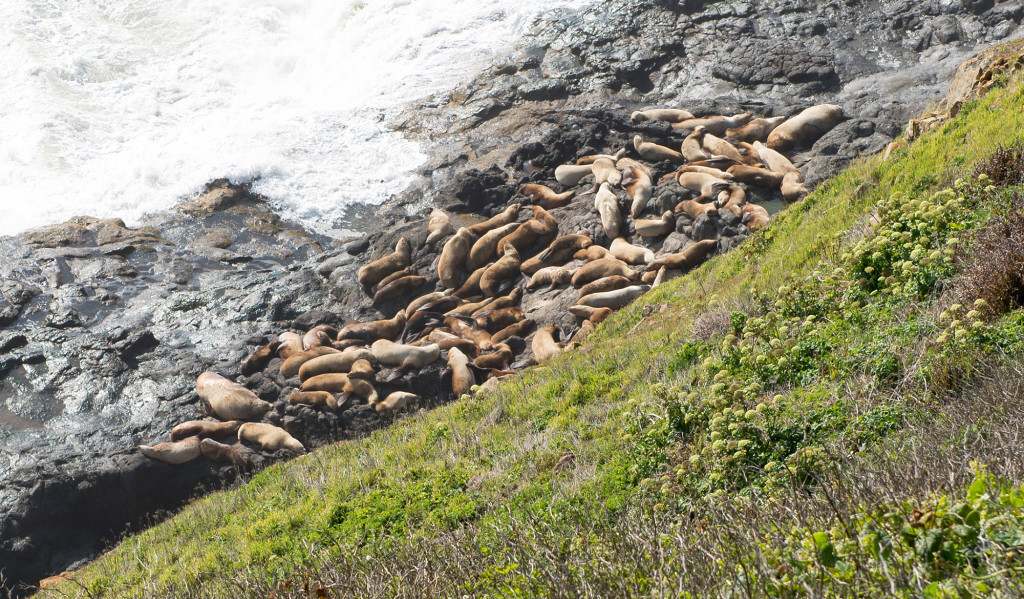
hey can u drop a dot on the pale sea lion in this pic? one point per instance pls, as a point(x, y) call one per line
point(732, 199)
point(544, 345)
point(636, 178)
point(339, 362)
point(629, 253)
point(173, 452)
point(483, 250)
point(453, 257)
point(793, 188)
point(462, 376)
point(571, 174)
point(291, 366)
point(519, 329)
point(315, 399)
point(806, 127)
point(398, 288)
point(605, 172)
point(605, 284)
point(716, 125)
point(289, 344)
point(606, 203)
point(707, 185)
point(553, 276)
point(228, 400)
point(594, 315)
point(601, 268)
point(776, 161)
point(692, 147)
point(669, 115)
point(439, 225)
point(405, 357)
point(688, 259)
point(756, 176)
point(269, 437)
point(259, 358)
point(694, 209)
point(503, 269)
point(755, 217)
point(446, 340)
point(613, 299)
point(222, 452)
point(362, 369)
point(395, 402)
point(544, 196)
point(373, 272)
point(660, 227)
point(695, 168)
point(652, 152)
point(560, 251)
point(594, 252)
point(719, 147)
point(506, 216)
point(378, 329)
point(204, 429)
point(341, 383)
point(755, 130)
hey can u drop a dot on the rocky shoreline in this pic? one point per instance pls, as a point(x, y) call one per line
point(103, 329)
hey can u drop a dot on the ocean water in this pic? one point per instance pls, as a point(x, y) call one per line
point(123, 107)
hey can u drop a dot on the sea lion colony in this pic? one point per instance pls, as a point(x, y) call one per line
point(474, 323)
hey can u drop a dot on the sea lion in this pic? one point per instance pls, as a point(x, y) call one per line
point(669, 115)
point(204, 429)
point(330, 363)
point(664, 275)
point(530, 232)
point(518, 329)
point(717, 146)
point(696, 168)
point(395, 402)
point(605, 172)
point(601, 268)
point(613, 299)
point(756, 176)
point(717, 124)
point(544, 196)
point(554, 276)
point(594, 252)
point(692, 147)
point(594, 315)
point(806, 127)
point(495, 320)
point(398, 288)
point(503, 269)
point(497, 359)
point(469, 308)
point(732, 199)
point(694, 209)
point(222, 452)
point(755, 217)
point(315, 399)
point(462, 376)
point(373, 272)
point(652, 152)
point(173, 452)
point(636, 178)
point(439, 225)
point(405, 357)
point(571, 174)
point(342, 383)
point(755, 130)
point(321, 334)
point(585, 329)
point(483, 250)
point(453, 257)
point(505, 301)
point(269, 437)
point(559, 252)
point(441, 305)
point(374, 330)
point(707, 185)
point(228, 400)
point(649, 277)
point(544, 345)
point(776, 161)
point(607, 205)
point(259, 359)
point(629, 253)
point(423, 300)
point(362, 369)
point(291, 366)
point(289, 344)
point(605, 284)
point(688, 259)
point(469, 330)
point(472, 285)
point(592, 158)
point(650, 227)
point(749, 153)
point(398, 274)
point(793, 188)
point(506, 216)
point(446, 341)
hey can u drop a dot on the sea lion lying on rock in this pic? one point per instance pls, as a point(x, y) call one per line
point(173, 452)
point(373, 272)
point(228, 400)
point(269, 437)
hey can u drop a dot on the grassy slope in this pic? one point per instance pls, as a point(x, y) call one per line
point(575, 449)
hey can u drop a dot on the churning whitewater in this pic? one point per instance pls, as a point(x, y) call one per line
point(122, 107)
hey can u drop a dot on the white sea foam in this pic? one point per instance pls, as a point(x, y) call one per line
point(122, 107)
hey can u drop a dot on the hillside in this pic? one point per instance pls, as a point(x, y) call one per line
point(833, 409)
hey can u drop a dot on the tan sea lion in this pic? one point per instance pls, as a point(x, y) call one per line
point(505, 301)
point(259, 358)
point(395, 402)
point(695, 168)
point(776, 161)
point(204, 429)
point(291, 366)
point(793, 188)
point(289, 344)
point(755, 130)
point(750, 155)
point(529, 233)
point(601, 268)
point(605, 172)
point(462, 376)
point(469, 330)
point(652, 152)
point(398, 274)
point(669, 115)
point(592, 158)
point(483, 250)
point(650, 227)
point(321, 334)
point(756, 176)
point(495, 320)
point(613, 299)
point(605, 284)
point(405, 357)
point(498, 359)
point(707, 185)
point(692, 147)
point(629, 253)
point(506, 216)
point(373, 272)
point(554, 276)
point(586, 328)
point(222, 452)
point(398, 288)
point(453, 257)
point(173, 452)
point(269, 437)
point(544, 196)
point(732, 199)
point(755, 217)
point(340, 362)
point(228, 400)
point(806, 127)
point(503, 269)
point(472, 285)
point(716, 125)
point(378, 329)
point(544, 345)
point(315, 399)
point(439, 225)
point(446, 340)
point(694, 209)
point(341, 383)
point(594, 315)
point(571, 174)
point(717, 146)
point(606, 203)
point(594, 252)
point(471, 307)
point(519, 329)
point(688, 259)
point(559, 252)
point(362, 369)
point(636, 178)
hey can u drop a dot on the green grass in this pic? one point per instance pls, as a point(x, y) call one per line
point(743, 383)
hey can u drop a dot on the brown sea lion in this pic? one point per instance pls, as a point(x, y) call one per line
point(636, 178)
point(373, 272)
point(468, 309)
point(755, 217)
point(472, 285)
point(259, 359)
point(398, 288)
point(586, 328)
point(606, 203)
point(669, 115)
point(629, 253)
point(506, 216)
point(498, 359)
point(544, 196)
point(469, 330)
point(462, 376)
point(289, 344)
point(613, 299)
point(755, 130)
point(559, 252)
point(446, 341)
point(732, 199)
point(688, 259)
point(653, 152)
point(269, 437)
point(495, 320)
point(378, 329)
point(592, 158)
point(291, 366)
point(594, 315)
point(405, 357)
point(228, 400)
point(222, 452)
point(423, 300)
point(544, 345)
point(594, 252)
point(453, 257)
point(605, 284)
point(395, 401)
point(518, 329)
point(650, 227)
point(503, 269)
point(694, 209)
point(717, 124)
point(173, 452)
point(484, 248)
point(756, 176)
point(717, 146)
point(340, 362)
point(439, 225)
point(601, 268)
point(571, 174)
point(341, 383)
point(204, 429)
point(776, 161)
point(806, 127)
point(793, 188)
point(315, 399)
point(513, 298)
point(605, 172)
point(362, 369)
point(321, 334)
point(554, 276)
point(398, 274)
point(692, 148)
point(707, 185)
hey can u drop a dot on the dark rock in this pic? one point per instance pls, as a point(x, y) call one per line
point(704, 228)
